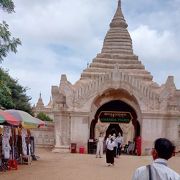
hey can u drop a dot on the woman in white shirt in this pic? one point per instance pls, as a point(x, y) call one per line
point(110, 144)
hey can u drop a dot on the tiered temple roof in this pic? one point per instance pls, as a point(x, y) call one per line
point(117, 52)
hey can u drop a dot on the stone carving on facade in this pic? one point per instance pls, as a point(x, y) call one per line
point(100, 128)
point(121, 84)
point(59, 99)
point(172, 104)
point(169, 96)
point(128, 131)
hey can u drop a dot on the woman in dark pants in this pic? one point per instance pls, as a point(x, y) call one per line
point(110, 144)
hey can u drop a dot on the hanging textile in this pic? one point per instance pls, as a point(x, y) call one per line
point(5, 142)
point(19, 142)
point(24, 145)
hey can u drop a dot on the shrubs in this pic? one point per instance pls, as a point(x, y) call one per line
point(44, 117)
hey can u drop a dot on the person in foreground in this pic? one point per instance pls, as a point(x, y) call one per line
point(110, 144)
point(158, 170)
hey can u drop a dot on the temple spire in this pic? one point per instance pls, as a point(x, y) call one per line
point(40, 103)
point(119, 3)
point(118, 19)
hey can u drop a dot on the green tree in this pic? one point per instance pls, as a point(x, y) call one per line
point(44, 117)
point(5, 92)
point(7, 5)
point(13, 95)
point(7, 42)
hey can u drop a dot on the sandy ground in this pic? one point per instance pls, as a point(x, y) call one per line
point(67, 166)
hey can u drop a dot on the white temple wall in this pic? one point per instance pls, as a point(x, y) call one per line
point(152, 127)
point(62, 130)
point(172, 129)
point(57, 131)
point(79, 130)
point(158, 126)
point(44, 137)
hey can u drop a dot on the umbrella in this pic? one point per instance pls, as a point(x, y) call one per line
point(6, 118)
point(26, 119)
point(10, 120)
point(40, 122)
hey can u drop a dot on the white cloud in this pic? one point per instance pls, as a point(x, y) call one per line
point(62, 36)
point(155, 46)
point(159, 51)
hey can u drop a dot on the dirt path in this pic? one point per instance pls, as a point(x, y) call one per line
point(66, 166)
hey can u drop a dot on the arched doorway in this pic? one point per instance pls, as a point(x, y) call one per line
point(116, 106)
point(113, 129)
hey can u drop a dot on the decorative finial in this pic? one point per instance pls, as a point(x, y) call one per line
point(119, 3)
point(40, 102)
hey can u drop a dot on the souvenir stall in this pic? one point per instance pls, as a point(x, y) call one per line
point(15, 138)
point(8, 122)
point(27, 123)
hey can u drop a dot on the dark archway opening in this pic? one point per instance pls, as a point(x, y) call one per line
point(115, 105)
point(113, 129)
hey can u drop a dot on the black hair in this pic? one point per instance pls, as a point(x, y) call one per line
point(164, 147)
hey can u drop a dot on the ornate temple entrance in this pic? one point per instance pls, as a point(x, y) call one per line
point(114, 117)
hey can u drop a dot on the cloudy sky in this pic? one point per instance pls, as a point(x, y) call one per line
point(62, 36)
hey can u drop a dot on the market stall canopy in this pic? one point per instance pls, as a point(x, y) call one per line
point(40, 122)
point(27, 121)
point(8, 119)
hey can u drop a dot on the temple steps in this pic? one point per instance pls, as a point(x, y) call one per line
point(121, 46)
point(118, 32)
point(121, 66)
point(114, 37)
point(117, 43)
point(117, 56)
point(114, 61)
point(139, 70)
point(117, 51)
point(118, 40)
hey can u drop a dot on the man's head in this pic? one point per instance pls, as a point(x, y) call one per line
point(163, 148)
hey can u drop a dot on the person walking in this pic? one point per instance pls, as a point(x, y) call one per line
point(110, 144)
point(158, 170)
point(119, 141)
point(116, 144)
point(100, 142)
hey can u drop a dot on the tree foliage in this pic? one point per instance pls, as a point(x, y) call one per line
point(44, 117)
point(13, 95)
point(7, 42)
point(7, 5)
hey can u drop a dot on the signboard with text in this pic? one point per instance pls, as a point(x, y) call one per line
point(115, 117)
